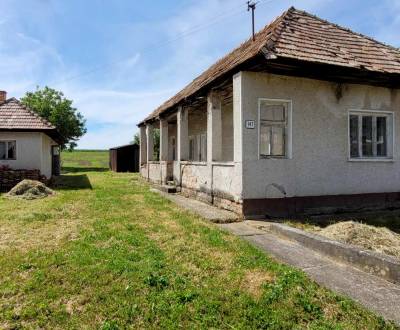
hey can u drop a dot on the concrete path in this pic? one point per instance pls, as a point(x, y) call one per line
point(207, 211)
point(374, 293)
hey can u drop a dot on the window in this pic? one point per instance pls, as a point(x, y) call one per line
point(191, 148)
point(173, 148)
point(273, 128)
point(198, 147)
point(202, 147)
point(8, 150)
point(370, 135)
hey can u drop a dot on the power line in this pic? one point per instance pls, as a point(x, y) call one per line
point(194, 29)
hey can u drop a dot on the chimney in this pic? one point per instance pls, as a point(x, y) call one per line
point(3, 96)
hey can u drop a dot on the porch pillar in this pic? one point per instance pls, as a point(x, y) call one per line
point(237, 118)
point(143, 145)
point(163, 140)
point(150, 142)
point(182, 134)
point(214, 127)
point(238, 114)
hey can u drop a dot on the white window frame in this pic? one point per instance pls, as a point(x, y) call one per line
point(6, 143)
point(390, 130)
point(288, 135)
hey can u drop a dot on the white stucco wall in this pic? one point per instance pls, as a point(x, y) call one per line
point(319, 163)
point(226, 180)
point(154, 172)
point(33, 151)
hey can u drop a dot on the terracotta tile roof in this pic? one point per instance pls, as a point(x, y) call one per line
point(15, 116)
point(299, 35)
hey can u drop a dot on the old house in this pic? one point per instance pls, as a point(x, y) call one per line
point(27, 141)
point(303, 119)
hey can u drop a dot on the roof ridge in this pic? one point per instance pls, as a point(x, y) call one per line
point(303, 12)
point(277, 29)
point(247, 41)
point(43, 120)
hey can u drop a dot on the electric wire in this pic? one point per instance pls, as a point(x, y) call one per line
point(194, 29)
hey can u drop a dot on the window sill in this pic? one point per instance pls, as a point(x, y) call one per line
point(272, 157)
point(372, 160)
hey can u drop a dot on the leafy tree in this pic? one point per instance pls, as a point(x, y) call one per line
point(58, 110)
point(156, 144)
point(136, 138)
point(156, 141)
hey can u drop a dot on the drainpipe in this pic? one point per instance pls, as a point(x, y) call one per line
point(212, 183)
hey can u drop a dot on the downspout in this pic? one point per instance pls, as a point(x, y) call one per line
point(161, 180)
point(212, 183)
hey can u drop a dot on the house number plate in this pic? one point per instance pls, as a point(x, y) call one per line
point(251, 124)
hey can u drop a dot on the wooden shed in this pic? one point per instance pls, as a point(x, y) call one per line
point(125, 158)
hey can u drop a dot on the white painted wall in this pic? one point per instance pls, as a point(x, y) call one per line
point(33, 151)
point(319, 164)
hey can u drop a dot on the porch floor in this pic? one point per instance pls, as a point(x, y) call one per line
point(207, 211)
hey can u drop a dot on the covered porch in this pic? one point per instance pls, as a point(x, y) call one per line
point(193, 148)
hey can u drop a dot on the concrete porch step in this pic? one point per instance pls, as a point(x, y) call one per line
point(169, 189)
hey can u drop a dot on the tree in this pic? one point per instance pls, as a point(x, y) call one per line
point(156, 141)
point(136, 139)
point(156, 144)
point(58, 110)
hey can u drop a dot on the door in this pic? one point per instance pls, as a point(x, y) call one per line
point(55, 161)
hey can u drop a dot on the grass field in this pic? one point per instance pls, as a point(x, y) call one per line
point(107, 253)
point(84, 160)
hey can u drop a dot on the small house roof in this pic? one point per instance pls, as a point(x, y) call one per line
point(14, 116)
point(301, 36)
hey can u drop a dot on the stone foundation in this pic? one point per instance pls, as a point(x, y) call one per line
point(220, 202)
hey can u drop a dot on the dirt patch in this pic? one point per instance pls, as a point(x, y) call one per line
point(38, 234)
point(254, 280)
point(30, 189)
point(84, 162)
point(379, 239)
point(76, 304)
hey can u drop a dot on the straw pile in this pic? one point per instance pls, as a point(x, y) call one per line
point(377, 239)
point(30, 189)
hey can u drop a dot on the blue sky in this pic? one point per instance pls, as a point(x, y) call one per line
point(120, 59)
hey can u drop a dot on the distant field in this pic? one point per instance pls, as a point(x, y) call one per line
point(85, 159)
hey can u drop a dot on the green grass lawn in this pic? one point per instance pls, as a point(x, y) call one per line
point(107, 253)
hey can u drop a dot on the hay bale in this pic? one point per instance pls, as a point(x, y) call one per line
point(379, 239)
point(30, 189)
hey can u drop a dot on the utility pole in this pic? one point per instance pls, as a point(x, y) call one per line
point(252, 5)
